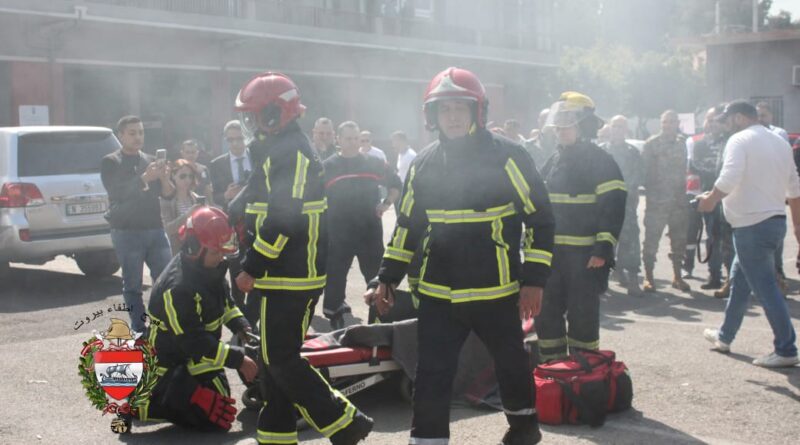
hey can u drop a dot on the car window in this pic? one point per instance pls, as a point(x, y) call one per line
point(66, 153)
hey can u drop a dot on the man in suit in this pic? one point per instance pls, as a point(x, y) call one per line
point(229, 172)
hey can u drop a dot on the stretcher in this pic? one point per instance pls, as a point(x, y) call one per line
point(348, 369)
point(359, 357)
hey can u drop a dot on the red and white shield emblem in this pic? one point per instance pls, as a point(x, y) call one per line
point(118, 372)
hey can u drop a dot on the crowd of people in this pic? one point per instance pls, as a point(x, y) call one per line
point(490, 229)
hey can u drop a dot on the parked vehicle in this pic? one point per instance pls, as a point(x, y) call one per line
point(51, 198)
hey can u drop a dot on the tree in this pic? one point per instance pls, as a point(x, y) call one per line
point(621, 80)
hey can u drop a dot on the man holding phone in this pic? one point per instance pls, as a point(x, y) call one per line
point(134, 181)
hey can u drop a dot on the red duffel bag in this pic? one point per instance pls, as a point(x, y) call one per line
point(582, 388)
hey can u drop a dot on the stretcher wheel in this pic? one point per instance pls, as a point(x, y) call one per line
point(406, 388)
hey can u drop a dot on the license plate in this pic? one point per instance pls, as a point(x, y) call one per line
point(86, 208)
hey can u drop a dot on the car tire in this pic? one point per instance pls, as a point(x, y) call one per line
point(97, 264)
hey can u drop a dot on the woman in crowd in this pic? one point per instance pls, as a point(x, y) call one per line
point(175, 211)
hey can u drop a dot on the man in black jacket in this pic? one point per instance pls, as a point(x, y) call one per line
point(188, 306)
point(134, 182)
point(588, 195)
point(286, 263)
point(475, 191)
point(352, 181)
point(230, 171)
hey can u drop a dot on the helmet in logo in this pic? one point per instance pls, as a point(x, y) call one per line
point(455, 83)
point(268, 103)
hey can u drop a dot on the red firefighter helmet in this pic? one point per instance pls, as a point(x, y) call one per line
point(267, 103)
point(207, 228)
point(455, 83)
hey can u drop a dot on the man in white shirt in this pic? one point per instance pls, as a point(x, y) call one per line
point(405, 154)
point(765, 117)
point(366, 147)
point(757, 176)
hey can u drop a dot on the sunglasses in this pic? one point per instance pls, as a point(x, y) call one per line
point(186, 175)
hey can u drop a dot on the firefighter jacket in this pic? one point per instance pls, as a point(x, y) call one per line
point(188, 306)
point(588, 195)
point(471, 196)
point(286, 214)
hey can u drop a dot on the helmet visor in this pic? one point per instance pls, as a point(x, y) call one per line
point(249, 122)
point(563, 114)
point(230, 246)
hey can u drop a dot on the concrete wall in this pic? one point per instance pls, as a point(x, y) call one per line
point(749, 70)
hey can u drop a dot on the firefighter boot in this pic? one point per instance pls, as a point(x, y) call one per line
point(677, 280)
point(522, 434)
point(354, 433)
point(724, 291)
point(649, 284)
point(633, 285)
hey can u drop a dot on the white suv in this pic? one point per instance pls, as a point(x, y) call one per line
point(51, 198)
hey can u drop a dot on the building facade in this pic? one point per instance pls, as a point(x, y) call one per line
point(761, 66)
point(179, 63)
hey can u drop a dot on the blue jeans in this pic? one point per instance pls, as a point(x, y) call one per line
point(134, 248)
point(754, 270)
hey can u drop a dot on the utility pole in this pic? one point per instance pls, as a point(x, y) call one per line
point(755, 16)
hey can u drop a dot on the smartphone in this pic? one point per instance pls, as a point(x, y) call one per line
point(161, 155)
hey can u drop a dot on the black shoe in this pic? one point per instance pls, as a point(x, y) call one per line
point(354, 433)
point(337, 322)
point(712, 284)
point(528, 436)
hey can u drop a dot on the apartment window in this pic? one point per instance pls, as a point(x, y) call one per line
point(423, 8)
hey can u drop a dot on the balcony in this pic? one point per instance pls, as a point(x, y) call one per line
point(290, 13)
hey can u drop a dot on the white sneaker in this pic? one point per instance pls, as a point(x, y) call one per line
point(774, 360)
point(712, 335)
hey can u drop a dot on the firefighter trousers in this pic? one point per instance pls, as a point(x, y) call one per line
point(367, 246)
point(170, 399)
point(289, 384)
point(574, 290)
point(442, 329)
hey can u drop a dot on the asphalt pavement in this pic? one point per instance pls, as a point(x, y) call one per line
point(683, 392)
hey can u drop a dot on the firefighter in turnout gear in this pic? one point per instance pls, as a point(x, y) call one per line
point(189, 303)
point(474, 191)
point(588, 194)
point(285, 263)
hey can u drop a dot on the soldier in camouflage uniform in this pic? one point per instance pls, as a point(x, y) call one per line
point(630, 163)
point(664, 157)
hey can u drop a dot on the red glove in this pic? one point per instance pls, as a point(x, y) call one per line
point(218, 408)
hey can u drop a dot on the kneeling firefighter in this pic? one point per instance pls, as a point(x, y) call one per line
point(285, 264)
point(588, 195)
point(189, 304)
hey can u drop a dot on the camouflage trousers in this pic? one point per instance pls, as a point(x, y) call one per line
point(657, 216)
point(628, 248)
